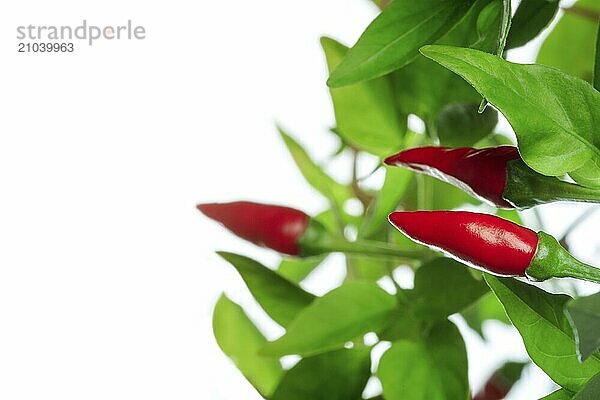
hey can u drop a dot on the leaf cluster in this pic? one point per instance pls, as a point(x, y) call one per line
point(443, 62)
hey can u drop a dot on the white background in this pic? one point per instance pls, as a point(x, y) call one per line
point(107, 272)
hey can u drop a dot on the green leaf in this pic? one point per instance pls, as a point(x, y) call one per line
point(548, 338)
point(393, 39)
point(461, 125)
point(591, 391)
point(511, 372)
point(314, 175)
point(280, 298)
point(584, 315)
point(424, 87)
point(443, 287)
point(334, 220)
point(560, 394)
point(404, 325)
point(551, 112)
point(336, 375)
point(366, 268)
point(434, 369)
point(558, 50)
point(365, 113)
point(397, 181)
point(296, 269)
point(531, 18)
point(493, 140)
point(511, 215)
point(486, 308)
point(341, 315)
point(240, 340)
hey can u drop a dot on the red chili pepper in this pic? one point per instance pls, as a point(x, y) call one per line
point(290, 231)
point(483, 240)
point(496, 174)
point(276, 227)
point(480, 172)
point(493, 244)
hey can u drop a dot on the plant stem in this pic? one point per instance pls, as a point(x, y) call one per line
point(583, 12)
point(317, 240)
point(585, 215)
point(424, 192)
point(360, 194)
point(580, 270)
point(527, 188)
point(371, 248)
point(420, 192)
point(384, 3)
point(431, 130)
point(552, 261)
point(570, 191)
point(564, 191)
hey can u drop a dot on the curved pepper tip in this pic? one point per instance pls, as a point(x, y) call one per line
point(413, 157)
point(401, 218)
point(205, 207)
point(391, 160)
point(212, 210)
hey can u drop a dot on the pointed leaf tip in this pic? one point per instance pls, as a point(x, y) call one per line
point(431, 50)
point(425, 49)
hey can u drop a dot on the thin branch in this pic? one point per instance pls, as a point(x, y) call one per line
point(370, 174)
point(583, 12)
point(538, 218)
point(360, 194)
point(575, 224)
point(384, 3)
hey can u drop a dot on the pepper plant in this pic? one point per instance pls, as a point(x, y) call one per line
point(443, 62)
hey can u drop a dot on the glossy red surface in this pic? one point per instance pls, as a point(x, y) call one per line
point(276, 227)
point(481, 172)
point(484, 241)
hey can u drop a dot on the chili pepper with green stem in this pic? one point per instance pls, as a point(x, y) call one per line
point(497, 175)
point(493, 244)
point(290, 231)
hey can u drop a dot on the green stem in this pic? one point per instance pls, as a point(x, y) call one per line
point(527, 188)
point(364, 197)
point(552, 261)
point(316, 240)
point(431, 130)
point(570, 191)
point(424, 192)
point(371, 248)
point(575, 224)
